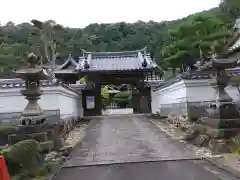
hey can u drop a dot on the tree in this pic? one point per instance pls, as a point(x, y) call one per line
point(2, 36)
point(173, 44)
point(196, 32)
point(47, 31)
point(231, 7)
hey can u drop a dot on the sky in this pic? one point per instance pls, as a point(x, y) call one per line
point(80, 13)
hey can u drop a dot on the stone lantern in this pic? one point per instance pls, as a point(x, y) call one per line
point(33, 124)
point(223, 121)
point(32, 75)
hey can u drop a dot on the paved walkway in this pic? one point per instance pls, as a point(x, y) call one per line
point(118, 111)
point(126, 139)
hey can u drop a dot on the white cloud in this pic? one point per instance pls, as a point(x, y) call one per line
point(79, 13)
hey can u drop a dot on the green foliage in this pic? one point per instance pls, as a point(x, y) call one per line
point(123, 98)
point(45, 169)
point(23, 38)
point(198, 31)
point(123, 95)
point(84, 79)
point(172, 43)
point(231, 7)
point(235, 144)
point(25, 153)
point(40, 172)
point(104, 92)
point(13, 167)
point(23, 160)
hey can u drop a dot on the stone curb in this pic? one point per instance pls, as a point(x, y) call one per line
point(107, 163)
point(51, 177)
point(223, 167)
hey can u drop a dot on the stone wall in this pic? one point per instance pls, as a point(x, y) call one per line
point(186, 96)
point(55, 99)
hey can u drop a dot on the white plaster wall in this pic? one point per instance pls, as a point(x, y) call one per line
point(175, 93)
point(201, 90)
point(53, 98)
point(187, 91)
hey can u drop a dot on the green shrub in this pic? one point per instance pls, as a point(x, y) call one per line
point(123, 95)
point(43, 170)
point(25, 153)
point(123, 98)
point(13, 167)
point(38, 173)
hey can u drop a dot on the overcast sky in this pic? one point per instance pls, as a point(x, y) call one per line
point(80, 13)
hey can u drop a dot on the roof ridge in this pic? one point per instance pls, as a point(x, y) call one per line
point(125, 60)
point(69, 60)
point(114, 52)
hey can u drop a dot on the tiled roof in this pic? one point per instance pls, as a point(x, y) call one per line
point(233, 72)
point(153, 83)
point(70, 63)
point(78, 86)
point(19, 83)
point(116, 61)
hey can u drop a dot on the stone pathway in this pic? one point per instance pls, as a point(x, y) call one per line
point(118, 111)
point(132, 147)
point(115, 139)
